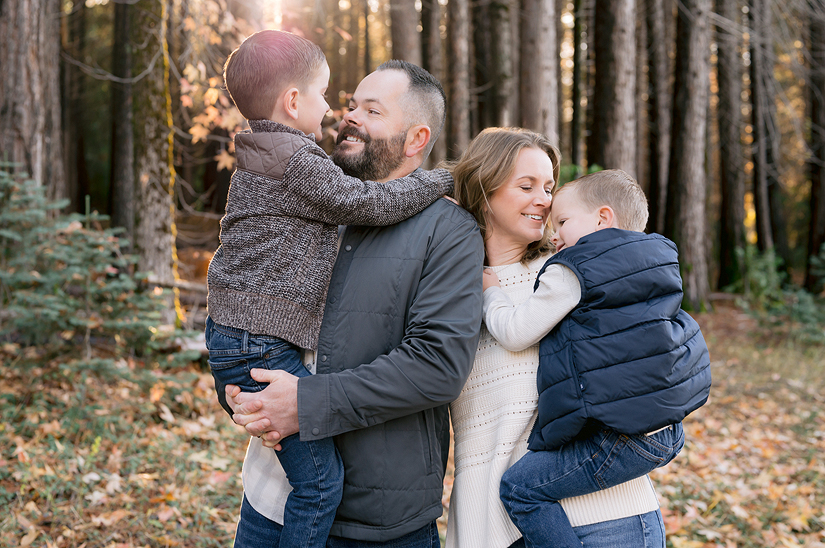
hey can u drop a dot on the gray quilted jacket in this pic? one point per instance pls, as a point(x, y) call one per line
point(397, 344)
point(279, 235)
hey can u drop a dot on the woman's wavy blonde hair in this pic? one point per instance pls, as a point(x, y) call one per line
point(488, 163)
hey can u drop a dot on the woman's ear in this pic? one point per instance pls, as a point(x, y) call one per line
point(607, 218)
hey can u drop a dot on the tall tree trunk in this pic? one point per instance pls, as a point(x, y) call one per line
point(641, 104)
point(729, 109)
point(367, 45)
point(816, 165)
point(560, 38)
point(773, 159)
point(685, 219)
point(759, 100)
point(406, 42)
point(77, 179)
point(576, 92)
point(155, 207)
point(589, 80)
point(484, 66)
point(337, 79)
point(458, 99)
point(30, 115)
point(122, 195)
point(352, 74)
point(433, 56)
point(614, 95)
point(658, 12)
point(539, 68)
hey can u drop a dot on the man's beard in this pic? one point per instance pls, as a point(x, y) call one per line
point(376, 161)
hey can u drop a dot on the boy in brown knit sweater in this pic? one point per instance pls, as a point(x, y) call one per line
point(268, 279)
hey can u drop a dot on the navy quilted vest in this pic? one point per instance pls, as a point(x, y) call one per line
point(627, 355)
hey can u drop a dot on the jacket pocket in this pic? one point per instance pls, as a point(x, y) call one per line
point(430, 440)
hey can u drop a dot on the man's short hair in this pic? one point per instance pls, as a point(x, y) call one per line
point(265, 65)
point(614, 188)
point(425, 98)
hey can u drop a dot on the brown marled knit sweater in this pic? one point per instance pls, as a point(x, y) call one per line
point(280, 232)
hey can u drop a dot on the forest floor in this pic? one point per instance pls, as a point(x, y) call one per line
point(142, 455)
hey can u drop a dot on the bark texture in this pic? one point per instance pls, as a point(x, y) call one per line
point(614, 123)
point(539, 75)
point(729, 114)
point(155, 207)
point(458, 109)
point(658, 113)
point(686, 220)
point(433, 59)
point(406, 42)
point(123, 152)
point(816, 230)
point(30, 115)
point(760, 115)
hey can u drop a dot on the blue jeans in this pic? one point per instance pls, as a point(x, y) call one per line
point(257, 531)
point(642, 531)
point(531, 488)
point(313, 468)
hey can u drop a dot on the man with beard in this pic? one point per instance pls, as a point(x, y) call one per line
point(399, 334)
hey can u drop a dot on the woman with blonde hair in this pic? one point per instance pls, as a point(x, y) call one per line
point(505, 179)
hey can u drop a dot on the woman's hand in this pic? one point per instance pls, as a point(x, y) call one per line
point(489, 279)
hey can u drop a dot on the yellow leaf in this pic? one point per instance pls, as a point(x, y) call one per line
point(186, 101)
point(166, 414)
point(29, 538)
point(225, 160)
point(26, 524)
point(682, 542)
point(211, 96)
point(199, 133)
point(189, 24)
point(191, 73)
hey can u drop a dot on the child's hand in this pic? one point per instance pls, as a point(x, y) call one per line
point(489, 279)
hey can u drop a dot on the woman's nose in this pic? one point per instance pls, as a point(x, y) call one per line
point(542, 198)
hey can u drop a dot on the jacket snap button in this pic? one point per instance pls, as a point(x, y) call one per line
point(324, 358)
point(315, 431)
point(348, 248)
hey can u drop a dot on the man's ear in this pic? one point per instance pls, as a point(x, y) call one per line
point(290, 102)
point(417, 139)
point(607, 218)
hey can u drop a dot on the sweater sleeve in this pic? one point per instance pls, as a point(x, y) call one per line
point(430, 365)
point(317, 189)
point(519, 327)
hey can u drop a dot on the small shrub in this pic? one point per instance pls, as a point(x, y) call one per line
point(768, 295)
point(66, 289)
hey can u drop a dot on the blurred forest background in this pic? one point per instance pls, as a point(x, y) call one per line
point(115, 158)
point(716, 108)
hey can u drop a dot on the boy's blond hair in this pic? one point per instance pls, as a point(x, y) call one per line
point(265, 65)
point(614, 188)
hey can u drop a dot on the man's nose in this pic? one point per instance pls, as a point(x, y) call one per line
point(350, 118)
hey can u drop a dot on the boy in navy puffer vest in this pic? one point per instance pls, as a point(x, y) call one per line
point(618, 373)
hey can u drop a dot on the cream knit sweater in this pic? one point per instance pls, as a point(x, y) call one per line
point(492, 419)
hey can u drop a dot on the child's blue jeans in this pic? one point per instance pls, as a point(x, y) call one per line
point(313, 468)
point(532, 487)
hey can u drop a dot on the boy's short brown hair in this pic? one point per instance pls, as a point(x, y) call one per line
point(265, 65)
point(614, 188)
